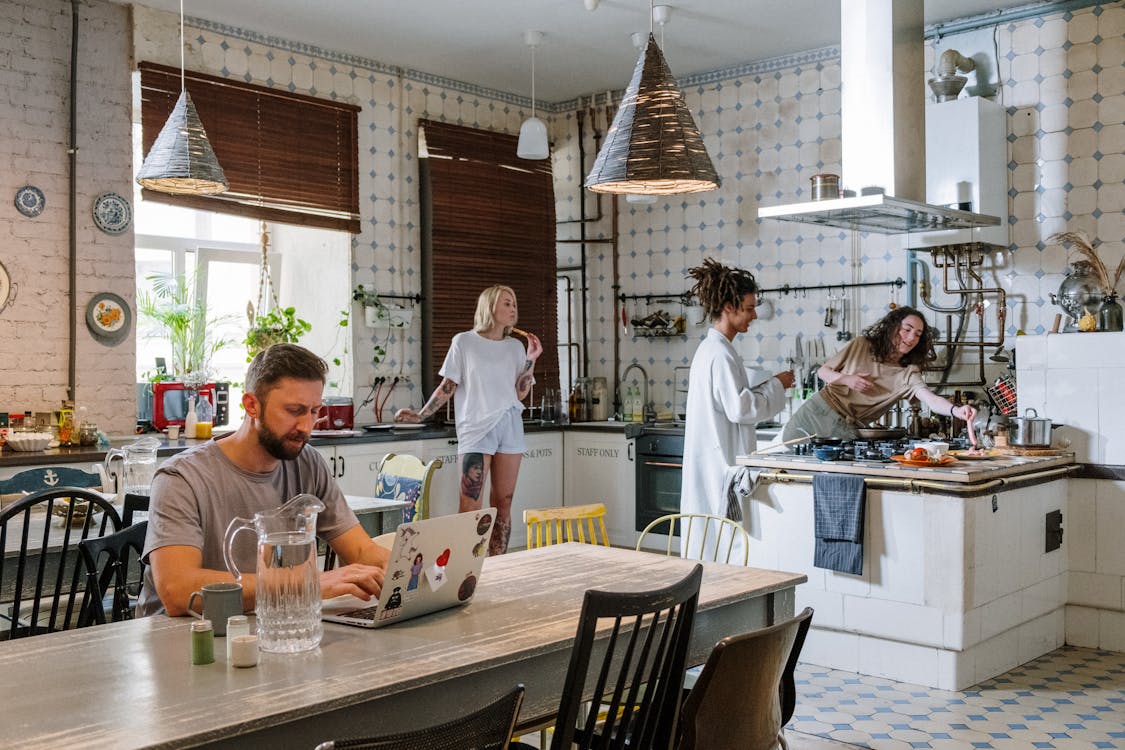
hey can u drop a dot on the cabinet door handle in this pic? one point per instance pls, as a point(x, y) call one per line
point(341, 466)
point(629, 451)
point(662, 463)
point(452, 442)
point(333, 467)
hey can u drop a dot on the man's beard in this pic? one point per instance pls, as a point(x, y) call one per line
point(275, 445)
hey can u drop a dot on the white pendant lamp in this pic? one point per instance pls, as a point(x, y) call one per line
point(181, 160)
point(533, 132)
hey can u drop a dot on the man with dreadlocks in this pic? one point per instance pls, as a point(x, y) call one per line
point(722, 408)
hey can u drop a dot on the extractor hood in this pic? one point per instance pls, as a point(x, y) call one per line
point(883, 129)
point(882, 214)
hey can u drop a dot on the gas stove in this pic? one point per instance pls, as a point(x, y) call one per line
point(874, 451)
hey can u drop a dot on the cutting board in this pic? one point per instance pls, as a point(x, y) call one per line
point(1013, 450)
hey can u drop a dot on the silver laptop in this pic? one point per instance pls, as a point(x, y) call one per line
point(435, 564)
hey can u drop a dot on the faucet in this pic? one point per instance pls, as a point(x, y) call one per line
point(645, 405)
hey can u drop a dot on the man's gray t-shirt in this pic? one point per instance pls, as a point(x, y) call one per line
point(195, 494)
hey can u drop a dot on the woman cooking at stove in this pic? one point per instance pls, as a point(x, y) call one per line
point(870, 375)
point(722, 408)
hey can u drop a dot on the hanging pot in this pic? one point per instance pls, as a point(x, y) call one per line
point(1030, 431)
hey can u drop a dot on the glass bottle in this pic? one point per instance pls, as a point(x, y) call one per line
point(1110, 314)
point(204, 418)
point(202, 642)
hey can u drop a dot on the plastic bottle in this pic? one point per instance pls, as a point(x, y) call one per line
point(204, 419)
point(638, 405)
point(190, 420)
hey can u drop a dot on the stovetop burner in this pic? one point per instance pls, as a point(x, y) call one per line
point(874, 451)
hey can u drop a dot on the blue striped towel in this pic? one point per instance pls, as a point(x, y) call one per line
point(839, 501)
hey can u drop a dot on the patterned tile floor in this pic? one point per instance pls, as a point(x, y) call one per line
point(1070, 698)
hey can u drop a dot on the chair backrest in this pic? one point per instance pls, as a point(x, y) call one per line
point(737, 700)
point(637, 684)
point(42, 575)
point(568, 523)
point(46, 478)
point(133, 504)
point(107, 561)
point(488, 728)
point(405, 477)
point(715, 533)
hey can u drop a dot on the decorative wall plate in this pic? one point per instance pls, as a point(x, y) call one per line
point(7, 288)
point(112, 213)
point(30, 201)
point(108, 317)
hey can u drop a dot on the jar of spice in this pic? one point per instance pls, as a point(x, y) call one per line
point(202, 642)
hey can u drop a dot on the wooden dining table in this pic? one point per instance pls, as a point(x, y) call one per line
point(131, 684)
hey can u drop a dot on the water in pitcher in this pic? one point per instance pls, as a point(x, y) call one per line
point(288, 593)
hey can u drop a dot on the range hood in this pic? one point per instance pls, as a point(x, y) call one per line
point(883, 129)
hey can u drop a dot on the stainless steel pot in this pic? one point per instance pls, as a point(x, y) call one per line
point(1029, 431)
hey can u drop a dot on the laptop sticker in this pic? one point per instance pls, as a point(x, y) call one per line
point(467, 587)
point(415, 572)
point(393, 605)
point(436, 573)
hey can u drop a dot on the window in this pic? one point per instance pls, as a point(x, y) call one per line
point(488, 218)
point(288, 157)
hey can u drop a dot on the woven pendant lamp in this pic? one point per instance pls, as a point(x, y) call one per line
point(181, 159)
point(653, 147)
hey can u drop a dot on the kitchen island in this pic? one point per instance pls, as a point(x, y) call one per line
point(957, 583)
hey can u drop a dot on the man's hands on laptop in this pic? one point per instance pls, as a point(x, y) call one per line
point(362, 581)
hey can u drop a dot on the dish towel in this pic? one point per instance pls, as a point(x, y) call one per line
point(738, 483)
point(839, 501)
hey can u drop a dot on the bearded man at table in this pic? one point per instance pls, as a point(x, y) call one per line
point(259, 467)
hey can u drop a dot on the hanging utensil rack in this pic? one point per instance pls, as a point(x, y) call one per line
point(686, 298)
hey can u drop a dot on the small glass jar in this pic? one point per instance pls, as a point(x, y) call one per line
point(1110, 314)
point(236, 625)
point(202, 642)
point(88, 434)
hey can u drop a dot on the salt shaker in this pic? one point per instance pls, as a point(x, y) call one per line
point(202, 642)
point(236, 625)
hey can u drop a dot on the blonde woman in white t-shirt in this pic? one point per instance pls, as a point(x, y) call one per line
point(487, 373)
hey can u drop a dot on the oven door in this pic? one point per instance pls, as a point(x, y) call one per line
point(659, 477)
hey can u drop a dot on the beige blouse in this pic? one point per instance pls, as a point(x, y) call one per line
point(892, 383)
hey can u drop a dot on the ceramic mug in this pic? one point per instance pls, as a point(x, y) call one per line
point(220, 601)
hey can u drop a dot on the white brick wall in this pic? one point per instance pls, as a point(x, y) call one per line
point(34, 137)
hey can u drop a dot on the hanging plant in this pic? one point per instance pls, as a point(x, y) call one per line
point(278, 326)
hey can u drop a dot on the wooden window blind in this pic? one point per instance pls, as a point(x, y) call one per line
point(488, 217)
point(288, 157)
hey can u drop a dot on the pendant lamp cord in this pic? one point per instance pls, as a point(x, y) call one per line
point(264, 279)
point(182, 45)
point(533, 80)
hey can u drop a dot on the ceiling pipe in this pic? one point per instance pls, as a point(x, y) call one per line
point(72, 219)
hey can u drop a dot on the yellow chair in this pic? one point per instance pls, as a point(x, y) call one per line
point(570, 523)
point(706, 527)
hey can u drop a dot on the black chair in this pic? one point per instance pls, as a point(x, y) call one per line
point(133, 504)
point(637, 684)
point(488, 728)
point(745, 693)
point(43, 581)
point(107, 564)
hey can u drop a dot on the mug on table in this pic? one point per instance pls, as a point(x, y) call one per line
point(220, 601)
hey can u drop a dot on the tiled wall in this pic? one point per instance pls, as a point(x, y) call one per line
point(1075, 379)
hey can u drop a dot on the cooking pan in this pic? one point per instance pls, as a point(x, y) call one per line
point(878, 433)
point(1030, 430)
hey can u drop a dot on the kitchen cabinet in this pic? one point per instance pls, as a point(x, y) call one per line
point(539, 484)
point(600, 468)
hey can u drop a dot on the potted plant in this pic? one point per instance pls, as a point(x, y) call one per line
point(181, 317)
point(280, 325)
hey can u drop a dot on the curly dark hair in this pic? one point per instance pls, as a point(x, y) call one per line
point(717, 285)
point(882, 337)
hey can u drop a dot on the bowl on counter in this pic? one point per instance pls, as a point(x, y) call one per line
point(828, 452)
point(29, 441)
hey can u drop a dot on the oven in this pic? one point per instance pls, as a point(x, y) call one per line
point(659, 473)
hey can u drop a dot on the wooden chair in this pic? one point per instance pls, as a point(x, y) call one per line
point(637, 682)
point(401, 477)
point(569, 523)
point(45, 478)
point(107, 561)
point(43, 579)
point(690, 526)
point(745, 694)
point(488, 728)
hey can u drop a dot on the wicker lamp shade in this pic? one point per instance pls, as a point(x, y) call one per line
point(181, 160)
point(653, 147)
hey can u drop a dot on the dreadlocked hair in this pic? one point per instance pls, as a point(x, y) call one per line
point(882, 336)
point(717, 285)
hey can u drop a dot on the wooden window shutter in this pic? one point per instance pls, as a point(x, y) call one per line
point(488, 217)
point(288, 157)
